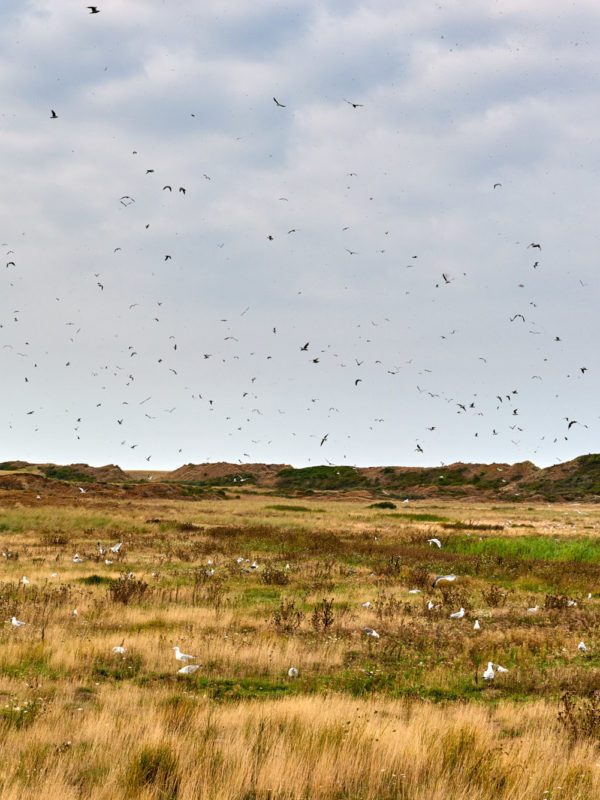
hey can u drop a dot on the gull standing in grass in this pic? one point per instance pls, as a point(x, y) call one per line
point(477, 626)
point(534, 609)
point(119, 648)
point(581, 647)
point(24, 581)
point(488, 675)
point(116, 547)
point(500, 669)
point(15, 622)
point(367, 604)
point(458, 614)
point(182, 656)
point(292, 672)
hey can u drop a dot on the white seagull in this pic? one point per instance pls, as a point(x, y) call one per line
point(116, 547)
point(435, 542)
point(292, 672)
point(488, 675)
point(439, 578)
point(477, 626)
point(16, 623)
point(581, 647)
point(458, 614)
point(189, 669)
point(182, 656)
point(371, 632)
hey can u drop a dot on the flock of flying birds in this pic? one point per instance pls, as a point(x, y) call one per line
point(243, 365)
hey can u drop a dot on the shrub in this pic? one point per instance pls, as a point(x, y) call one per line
point(581, 719)
point(287, 618)
point(495, 596)
point(323, 615)
point(127, 590)
point(275, 577)
point(383, 504)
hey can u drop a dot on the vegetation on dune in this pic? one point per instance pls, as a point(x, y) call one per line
point(66, 474)
point(325, 478)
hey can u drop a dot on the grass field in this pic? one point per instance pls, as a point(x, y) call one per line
point(404, 715)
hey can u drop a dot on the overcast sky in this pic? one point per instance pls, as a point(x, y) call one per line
point(372, 232)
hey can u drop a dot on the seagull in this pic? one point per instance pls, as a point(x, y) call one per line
point(107, 562)
point(414, 591)
point(94, 9)
point(439, 578)
point(366, 605)
point(435, 542)
point(77, 559)
point(354, 105)
point(292, 672)
point(477, 626)
point(81, 490)
point(53, 114)
point(581, 647)
point(119, 648)
point(501, 669)
point(488, 675)
point(189, 669)
point(371, 632)
point(277, 103)
point(458, 614)
point(115, 548)
point(182, 656)
point(430, 605)
point(25, 581)
point(16, 623)
point(534, 609)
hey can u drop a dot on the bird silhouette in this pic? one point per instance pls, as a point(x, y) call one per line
point(277, 103)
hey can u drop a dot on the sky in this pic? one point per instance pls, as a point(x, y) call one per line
point(299, 232)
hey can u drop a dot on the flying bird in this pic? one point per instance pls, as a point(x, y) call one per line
point(53, 114)
point(94, 9)
point(354, 105)
point(324, 439)
point(277, 103)
point(439, 578)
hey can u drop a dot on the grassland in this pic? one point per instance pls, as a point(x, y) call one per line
point(406, 715)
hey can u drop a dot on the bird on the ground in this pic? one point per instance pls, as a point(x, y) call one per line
point(116, 547)
point(488, 675)
point(366, 605)
point(292, 672)
point(189, 669)
point(458, 614)
point(477, 626)
point(119, 648)
point(371, 632)
point(24, 581)
point(500, 669)
point(182, 656)
point(435, 542)
point(581, 647)
point(15, 622)
point(534, 609)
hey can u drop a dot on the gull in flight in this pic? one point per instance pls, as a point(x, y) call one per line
point(436, 542)
point(439, 578)
point(115, 548)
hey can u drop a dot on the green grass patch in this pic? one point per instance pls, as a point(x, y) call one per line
point(419, 517)
point(533, 548)
point(294, 508)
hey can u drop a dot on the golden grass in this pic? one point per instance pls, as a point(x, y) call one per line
point(79, 721)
